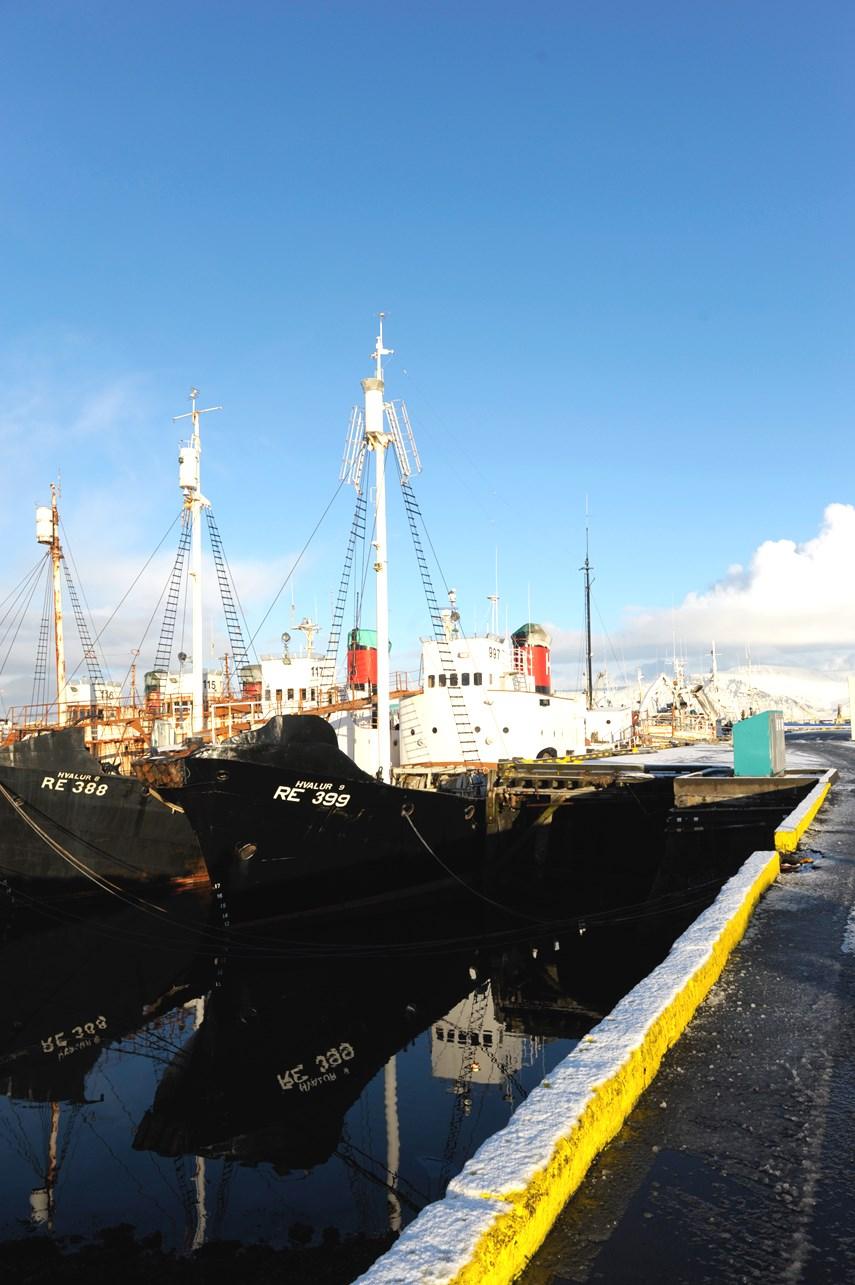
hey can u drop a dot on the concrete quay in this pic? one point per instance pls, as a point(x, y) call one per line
point(737, 1164)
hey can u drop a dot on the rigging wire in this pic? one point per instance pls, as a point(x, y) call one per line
point(236, 596)
point(69, 555)
point(296, 564)
point(13, 593)
point(21, 618)
point(156, 605)
point(39, 693)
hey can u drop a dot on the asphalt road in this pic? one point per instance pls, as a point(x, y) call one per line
point(738, 1164)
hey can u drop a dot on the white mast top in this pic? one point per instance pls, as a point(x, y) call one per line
point(380, 352)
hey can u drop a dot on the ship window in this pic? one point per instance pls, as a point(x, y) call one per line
point(431, 680)
point(488, 1038)
point(302, 693)
point(477, 729)
point(452, 680)
point(279, 694)
point(442, 680)
point(440, 1033)
point(461, 1037)
point(464, 678)
point(433, 729)
point(313, 693)
point(412, 731)
point(476, 1038)
point(267, 693)
point(505, 730)
point(476, 679)
point(290, 693)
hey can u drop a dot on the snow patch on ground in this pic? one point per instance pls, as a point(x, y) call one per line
point(848, 943)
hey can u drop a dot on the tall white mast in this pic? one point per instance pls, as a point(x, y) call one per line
point(47, 533)
point(56, 560)
point(189, 479)
point(377, 440)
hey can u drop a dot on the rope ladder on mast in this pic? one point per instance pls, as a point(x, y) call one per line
point(89, 654)
point(230, 608)
point(173, 596)
point(357, 532)
point(465, 735)
point(40, 669)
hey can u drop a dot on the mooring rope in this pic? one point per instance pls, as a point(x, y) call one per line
point(498, 905)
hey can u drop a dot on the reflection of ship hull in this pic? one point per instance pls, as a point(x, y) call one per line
point(72, 988)
point(291, 824)
point(57, 804)
point(281, 1058)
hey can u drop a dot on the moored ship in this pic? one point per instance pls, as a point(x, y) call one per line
point(67, 825)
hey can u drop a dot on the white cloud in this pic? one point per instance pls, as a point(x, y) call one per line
point(790, 596)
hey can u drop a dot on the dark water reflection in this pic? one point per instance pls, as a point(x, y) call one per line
point(293, 1093)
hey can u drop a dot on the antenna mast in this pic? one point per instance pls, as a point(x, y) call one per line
point(377, 440)
point(47, 533)
point(589, 679)
point(189, 479)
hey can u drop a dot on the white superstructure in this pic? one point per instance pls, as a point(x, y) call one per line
point(510, 713)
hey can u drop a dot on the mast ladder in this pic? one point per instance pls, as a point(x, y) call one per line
point(468, 744)
point(357, 532)
point(89, 653)
point(170, 611)
point(40, 668)
point(238, 646)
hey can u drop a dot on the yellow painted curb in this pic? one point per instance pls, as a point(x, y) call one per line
point(791, 829)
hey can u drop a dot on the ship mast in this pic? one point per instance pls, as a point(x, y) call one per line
point(378, 440)
point(47, 533)
point(589, 681)
point(189, 479)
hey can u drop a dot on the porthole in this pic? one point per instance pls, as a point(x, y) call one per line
point(505, 730)
point(433, 729)
point(477, 729)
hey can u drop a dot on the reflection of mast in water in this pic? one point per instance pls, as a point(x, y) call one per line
point(393, 1141)
point(197, 1007)
point(42, 1198)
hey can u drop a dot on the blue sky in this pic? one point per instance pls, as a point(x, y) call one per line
point(614, 243)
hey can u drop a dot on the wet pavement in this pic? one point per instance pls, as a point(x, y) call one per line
point(736, 1166)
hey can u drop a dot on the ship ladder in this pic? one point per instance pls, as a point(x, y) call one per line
point(163, 654)
point(39, 696)
point(228, 598)
point(460, 714)
point(89, 653)
point(357, 532)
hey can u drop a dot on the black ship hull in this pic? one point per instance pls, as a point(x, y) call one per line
point(307, 831)
point(65, 824)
